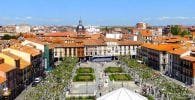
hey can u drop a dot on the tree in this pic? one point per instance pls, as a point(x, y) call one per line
point(175, 30)
point(6, 37)
point(185, 32)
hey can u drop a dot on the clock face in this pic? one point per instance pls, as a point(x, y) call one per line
point(80, 27)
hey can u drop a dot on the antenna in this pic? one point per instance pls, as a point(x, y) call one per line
point(80, 21)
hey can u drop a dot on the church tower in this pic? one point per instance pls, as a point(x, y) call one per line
point(80, 28)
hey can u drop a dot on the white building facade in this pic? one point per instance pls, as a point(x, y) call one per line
point(22, 29)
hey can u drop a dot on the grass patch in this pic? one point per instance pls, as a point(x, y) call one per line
point(81, 98)
point(120, 77)
point(113, 70)
point(85, 70)
point(83, 77)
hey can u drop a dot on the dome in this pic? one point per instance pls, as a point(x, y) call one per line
point(80, 27)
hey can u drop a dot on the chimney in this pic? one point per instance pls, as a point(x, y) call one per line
point(1, 60)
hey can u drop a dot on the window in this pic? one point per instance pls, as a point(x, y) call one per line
point(163, 60)
point(74, 51)
point(133, 47)
point(65, 51)
point(112, 48)
point(70, 53)
point(60, 53)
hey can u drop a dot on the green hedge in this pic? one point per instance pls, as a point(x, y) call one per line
point(113, 70)
point(85, 70)
point(120, 77)
point(83, 77)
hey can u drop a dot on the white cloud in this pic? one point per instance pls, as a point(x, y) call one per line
point(23, 18)
point(28, 17)
point(181, 17)
point(147, 19)
point(163, 18)
point(175, 18)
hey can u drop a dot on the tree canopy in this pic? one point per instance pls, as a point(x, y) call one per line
point(176, 30)
point(7, 37)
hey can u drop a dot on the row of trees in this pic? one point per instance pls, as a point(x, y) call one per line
point(53, 86)
point(152, 77)
point(176, 30)
point(8, 37)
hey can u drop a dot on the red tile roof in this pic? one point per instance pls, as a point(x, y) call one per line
point(6, 68)
point(145, 33)
point(161, 47)
point(178, 51)
point(27, 49)
point(7, 53)
point(2, 80)
point(189, 58)
point(58, 34)
point(94, 42)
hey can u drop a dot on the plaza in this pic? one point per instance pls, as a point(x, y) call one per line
point(142, 80)
point(102, 83)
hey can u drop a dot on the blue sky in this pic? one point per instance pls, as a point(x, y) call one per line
point(97, 12)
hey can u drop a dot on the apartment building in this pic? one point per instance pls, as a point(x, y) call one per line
point(8, 70)
point(46, 49)
point(23, 75)
point(181, 64)
point(31, 55)
point(156, 55)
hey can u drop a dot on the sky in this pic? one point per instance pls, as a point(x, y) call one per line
point(97, 12)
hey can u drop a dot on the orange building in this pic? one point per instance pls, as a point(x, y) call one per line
point(156, 55)
point(182, 65)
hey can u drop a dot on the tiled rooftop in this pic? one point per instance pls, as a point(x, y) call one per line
point(189, 58)
point(6, 68)
point(2, 80)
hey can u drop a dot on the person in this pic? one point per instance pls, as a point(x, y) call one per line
point(100, 94)
point(99, 85)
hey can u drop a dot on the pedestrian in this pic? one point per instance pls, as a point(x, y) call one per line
point(100, 94)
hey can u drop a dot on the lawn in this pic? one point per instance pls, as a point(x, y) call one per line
point(120, 77)
point(85, 70)
point(81, 98)
point(83, 77)
point(113, 70)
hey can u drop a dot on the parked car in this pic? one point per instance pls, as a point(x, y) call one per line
point(36, 81)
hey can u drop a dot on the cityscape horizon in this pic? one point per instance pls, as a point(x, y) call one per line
point(97, 12)
point(97, 50)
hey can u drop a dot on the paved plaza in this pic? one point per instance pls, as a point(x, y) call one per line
point(102, 84)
